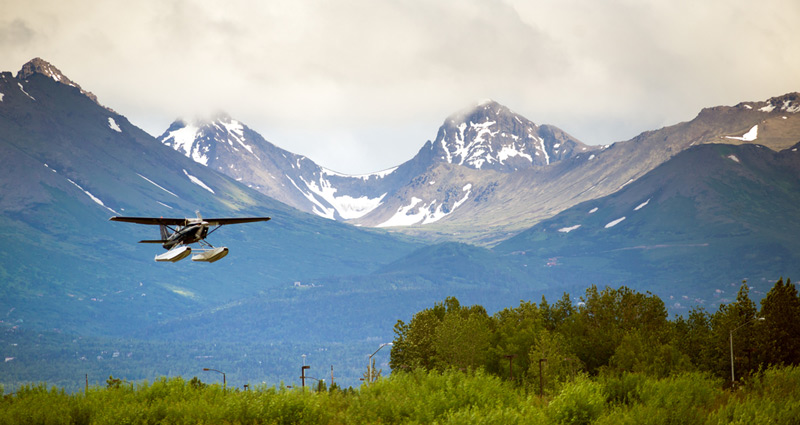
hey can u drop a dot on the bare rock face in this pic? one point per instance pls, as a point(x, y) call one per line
point(41, 66)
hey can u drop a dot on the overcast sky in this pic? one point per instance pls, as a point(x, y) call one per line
point(359, 86)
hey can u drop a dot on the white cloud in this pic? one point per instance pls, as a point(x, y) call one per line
point(383, 75)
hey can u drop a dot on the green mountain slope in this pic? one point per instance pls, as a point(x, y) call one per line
point(711, 216)
point(69, 164)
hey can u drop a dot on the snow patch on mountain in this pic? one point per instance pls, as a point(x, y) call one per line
point(23, 91)
point(569, 229)
point(235, 130)
point(791, 107)
point(113, 125)
point(318, 208)
point(614, 223)
point(198, 182)
point(747, 137)
point(365, 177)
point(426, 213)
point(509, 151)
point(642, 205)
point(1, 97)
point(157, 185)
point(183, 140)
point(347, 206)
point(541, 148)
point(91, 196)
point(403, 218)
point(733, 158)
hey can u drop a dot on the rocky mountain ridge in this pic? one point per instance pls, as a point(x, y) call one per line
point(490, 172)
point(488, 137)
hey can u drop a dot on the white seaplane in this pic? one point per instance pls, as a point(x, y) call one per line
point(178, 233)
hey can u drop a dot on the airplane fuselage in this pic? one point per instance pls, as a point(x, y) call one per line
point(187, 235)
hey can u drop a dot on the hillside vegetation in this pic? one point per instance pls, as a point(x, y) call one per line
point(615, 358)
point(450, 397)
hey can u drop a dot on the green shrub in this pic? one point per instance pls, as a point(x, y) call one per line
point(580, 402)
point(424, 397)
point(771, 396)
point(624, 388)
point(680, 399)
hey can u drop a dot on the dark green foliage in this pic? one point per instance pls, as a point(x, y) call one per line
point(658, 372)
point(611, 332)
point(780, 333)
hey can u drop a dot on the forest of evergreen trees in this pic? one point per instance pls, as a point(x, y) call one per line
point(613, 358)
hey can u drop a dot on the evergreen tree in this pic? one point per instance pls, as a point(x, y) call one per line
point(779, 340)
point(734, 335)
point(691, 337)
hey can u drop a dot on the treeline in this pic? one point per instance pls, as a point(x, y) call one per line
point(614, 358)
point(609, 332)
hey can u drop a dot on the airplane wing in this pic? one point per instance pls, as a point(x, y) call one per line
point(224, 221)
point(151, 220)
point(184, 221)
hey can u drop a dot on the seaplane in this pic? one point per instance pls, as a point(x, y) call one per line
point(178, 233)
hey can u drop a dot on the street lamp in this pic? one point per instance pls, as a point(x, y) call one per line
point(303, 372)
point(224, 382)
point(760, 319)
point(369, 361)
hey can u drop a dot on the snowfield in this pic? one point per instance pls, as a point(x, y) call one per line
point(747, 137)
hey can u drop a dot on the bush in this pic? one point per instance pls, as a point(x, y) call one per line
point(771, 396)
point(424, 397)
point(580, 402)
point(623, 389)
point(680, 399)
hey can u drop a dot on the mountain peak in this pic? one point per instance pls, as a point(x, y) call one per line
point(41, 66)
point(484, 109)
point(491, 136)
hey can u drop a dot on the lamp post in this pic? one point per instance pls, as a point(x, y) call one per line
point(369, 361)
point(510, 358)
point(760, 319)
point(224, 381)
point(303, 374)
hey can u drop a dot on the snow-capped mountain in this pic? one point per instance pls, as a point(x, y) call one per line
point(492, 137)
point(487, 138)
point(232, 148)
point(488, 174)
point(475, 152)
